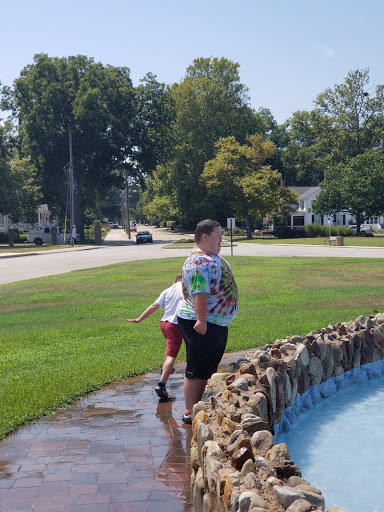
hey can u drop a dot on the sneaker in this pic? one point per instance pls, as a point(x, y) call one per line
point(161, 391)
point(187, 419)
point(173, 370)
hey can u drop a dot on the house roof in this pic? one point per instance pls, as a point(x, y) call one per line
point(305, 191)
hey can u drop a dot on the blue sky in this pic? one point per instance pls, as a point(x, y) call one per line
point(288, 50)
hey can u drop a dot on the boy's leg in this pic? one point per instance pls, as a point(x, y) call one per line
point(193, 392)
point(167, 367)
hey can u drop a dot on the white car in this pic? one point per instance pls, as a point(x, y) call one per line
point(363, 231)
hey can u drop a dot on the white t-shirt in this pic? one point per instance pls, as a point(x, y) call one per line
point(169, 300)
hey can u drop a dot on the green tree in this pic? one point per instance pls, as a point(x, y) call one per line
point(239, 176)
point(356, 187)
point(155, 117)
point(350, 117)
point(209, 103)
point(97, 103)
point(346, 121)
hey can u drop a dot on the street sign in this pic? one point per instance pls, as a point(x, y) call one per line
point(231, 222)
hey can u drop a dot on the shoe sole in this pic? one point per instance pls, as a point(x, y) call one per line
point(161, 393)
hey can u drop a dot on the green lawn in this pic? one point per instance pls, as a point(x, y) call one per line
point(352, 241)
point(65, 335)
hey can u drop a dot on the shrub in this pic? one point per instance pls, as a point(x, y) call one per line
point(284, 232)
point(316, 230)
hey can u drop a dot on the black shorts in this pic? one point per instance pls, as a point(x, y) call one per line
point(204, 352)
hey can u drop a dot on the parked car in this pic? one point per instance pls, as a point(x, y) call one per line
point(132, 226)
point(363, 231)
point(113, 225)
point(143, 237)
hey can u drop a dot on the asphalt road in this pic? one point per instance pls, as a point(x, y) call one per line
point(117, 249)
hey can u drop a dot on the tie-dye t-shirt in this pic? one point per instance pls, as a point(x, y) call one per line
point(210, 274)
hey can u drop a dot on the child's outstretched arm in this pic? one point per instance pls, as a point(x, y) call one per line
point(151, 309)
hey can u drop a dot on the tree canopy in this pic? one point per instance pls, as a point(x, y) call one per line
point(356, 187)
point(209, 103)
point(237, 173)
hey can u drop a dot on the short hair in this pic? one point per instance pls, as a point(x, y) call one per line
point(179, 277)
point(205, 227)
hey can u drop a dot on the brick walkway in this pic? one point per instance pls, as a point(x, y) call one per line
point(117, 450)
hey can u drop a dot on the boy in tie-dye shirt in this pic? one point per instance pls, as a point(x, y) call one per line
point(210, 303)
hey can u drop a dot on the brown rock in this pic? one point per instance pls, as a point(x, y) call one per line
point(244, 443)
point(378, 337)
point(228, 426)
point(279, 458)
point(202, 416)
point(240, 456)
point(230, 379)
point(227, 395)
point(275, 352)
point(248, 368)
point(228, 493)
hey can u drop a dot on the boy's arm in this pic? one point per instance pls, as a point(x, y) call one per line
point(151, 309)
point(200, 307)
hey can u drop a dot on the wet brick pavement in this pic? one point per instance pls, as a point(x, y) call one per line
point(117, 450)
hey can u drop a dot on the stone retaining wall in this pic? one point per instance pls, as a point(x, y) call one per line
point(236, 464)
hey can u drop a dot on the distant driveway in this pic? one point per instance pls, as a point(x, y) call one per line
point(117, 249)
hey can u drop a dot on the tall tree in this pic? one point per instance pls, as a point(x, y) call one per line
point(350, 119)
point(156, 114)
point(96, 102)
point(238, 175)
point(210, 103)
point(346, 121)
point(356, 187)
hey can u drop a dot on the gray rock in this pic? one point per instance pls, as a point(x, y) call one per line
point(296, 340)
point(293, 481)
point(198, 491)
point(271, 376)
point(235, 436)
point(251, 481)
point(315, 370)
point(302, 355)
point(235, 479)
point(262, 463)
point(287, 495)
point(249, 500)
point(252, 423)
point(379, 318)
point(240, 383)
point(301, 506)
point(235, 500)
point(204, 433)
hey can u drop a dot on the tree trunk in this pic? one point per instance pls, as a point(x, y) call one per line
point(248, 226)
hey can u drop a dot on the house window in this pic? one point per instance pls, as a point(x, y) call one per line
point(301, 205)
point(298, 221)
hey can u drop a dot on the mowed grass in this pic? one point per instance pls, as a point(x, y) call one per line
point(66, 335)
point(349, 241)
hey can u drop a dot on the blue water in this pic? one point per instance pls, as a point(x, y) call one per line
point(339, 444)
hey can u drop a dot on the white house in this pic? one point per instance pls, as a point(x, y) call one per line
point(304, 214)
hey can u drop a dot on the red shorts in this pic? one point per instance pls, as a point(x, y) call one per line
point(173, 335)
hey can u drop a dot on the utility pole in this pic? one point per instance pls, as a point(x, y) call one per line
point(72, 194)
point(127, 198)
